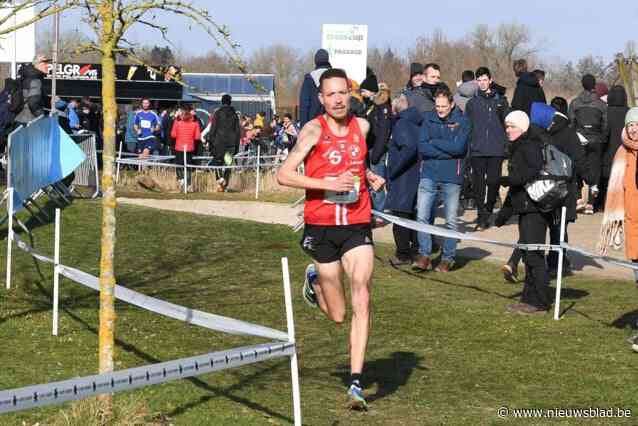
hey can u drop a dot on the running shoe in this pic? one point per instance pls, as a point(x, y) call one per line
point(309, 295)
point(357, 400)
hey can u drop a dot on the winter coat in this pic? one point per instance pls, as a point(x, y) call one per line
point(225, 132)
point(380, 117)
point(443, 146)
point(464, 93)
point(185, 132)
point(566, 140)
point(403, 162)
point(32, 92)
point(589, 100)
point(527, 91)
point(616, 111)
point(486, 112)
point(309, 105)
point(524, 167)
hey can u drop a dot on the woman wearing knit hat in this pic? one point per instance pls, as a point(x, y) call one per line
point(525, 164)
point(620, 221)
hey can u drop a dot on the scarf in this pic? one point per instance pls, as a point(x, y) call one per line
point(612, 229)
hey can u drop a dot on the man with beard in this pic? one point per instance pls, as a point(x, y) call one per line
point(337, 213)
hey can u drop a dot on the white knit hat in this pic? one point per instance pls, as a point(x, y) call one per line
point(518, 119)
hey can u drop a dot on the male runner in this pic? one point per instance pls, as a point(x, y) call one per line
point(337, 214)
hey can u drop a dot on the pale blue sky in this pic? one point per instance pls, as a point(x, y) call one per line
point(568, 29)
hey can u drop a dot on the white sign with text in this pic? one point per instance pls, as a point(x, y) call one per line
point(347, 46)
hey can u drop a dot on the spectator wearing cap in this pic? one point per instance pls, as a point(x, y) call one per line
point(588, 115)
point(223, 139)
point(413, 91)
point(524, 166)
point(602, 90)
point(32, 76)
point(379, 115)
point(309, 105)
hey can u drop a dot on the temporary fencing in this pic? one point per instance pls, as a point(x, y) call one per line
point(560, 248)
point(79, 388)
point(87, 174)
point(241, 161)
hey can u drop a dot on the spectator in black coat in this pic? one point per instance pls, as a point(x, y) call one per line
point(32, 76)
point(616, 111)
point(224, 138)
point(525, 165)
point(528, 90)
point(379, 114)
point(309, 105)
point(403, 177)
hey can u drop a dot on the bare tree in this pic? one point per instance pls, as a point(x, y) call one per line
point(110, 21)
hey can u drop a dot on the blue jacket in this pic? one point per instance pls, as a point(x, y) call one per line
point(309, 105)
point(487, 113)
point(74, 120)
point(443, 145)
point(403, 162)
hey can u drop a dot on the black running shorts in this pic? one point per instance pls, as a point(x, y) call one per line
point(327, 244)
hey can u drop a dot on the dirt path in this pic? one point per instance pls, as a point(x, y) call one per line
point(583, 233)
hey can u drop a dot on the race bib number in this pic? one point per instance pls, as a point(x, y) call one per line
point(145, 124)
point(347, 197)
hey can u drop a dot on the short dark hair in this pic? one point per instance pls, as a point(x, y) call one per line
point(431, 65)
point(540, 74)
point(145, 99)
point(226, 99)
point(332, 73)
point(444, 92)
point(519, 66)
point(483, 71)
point(467, 75)
point(559, 104)
point(288, 115)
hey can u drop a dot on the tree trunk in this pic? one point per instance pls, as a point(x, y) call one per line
point(107, 248)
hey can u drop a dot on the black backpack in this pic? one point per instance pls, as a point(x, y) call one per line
point(589, 123)
point(551, 188)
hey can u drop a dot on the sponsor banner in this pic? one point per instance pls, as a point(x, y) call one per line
point(347, 46)
point(93, 72)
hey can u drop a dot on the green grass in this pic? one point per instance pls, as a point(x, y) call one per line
point(442, 349)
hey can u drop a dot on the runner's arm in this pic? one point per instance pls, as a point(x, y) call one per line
point(288, 174)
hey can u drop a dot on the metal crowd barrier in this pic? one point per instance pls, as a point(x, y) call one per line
point(87, 174)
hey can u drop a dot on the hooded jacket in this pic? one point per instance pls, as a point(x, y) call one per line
point(527, 91)
point(379, 114)
point(422, 97)
point(464, 93)
point(186, 132)
point(403, 162)
point(309, 105)
point(589, 100)
point(616, 111)
point(443, 146)
point(486, 112)
point(225, 131)
point(32, 92)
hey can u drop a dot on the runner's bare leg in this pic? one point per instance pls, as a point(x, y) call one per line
point(358, 264)
point(329, 291)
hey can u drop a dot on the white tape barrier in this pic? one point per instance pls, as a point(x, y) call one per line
point(446, 233)
point(138, 162)
point(181, 313)
point(117, 381)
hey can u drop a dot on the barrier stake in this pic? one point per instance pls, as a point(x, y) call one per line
point(117, 171)
point(9, 234)
point(257, 185)
point(294, 368)
point(185, 173)
point(559, 273)
point(56, 272)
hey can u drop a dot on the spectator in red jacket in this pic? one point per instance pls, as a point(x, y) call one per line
point(186, 132)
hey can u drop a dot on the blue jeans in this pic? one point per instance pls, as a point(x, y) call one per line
point(426, 204)
point(378, 197)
